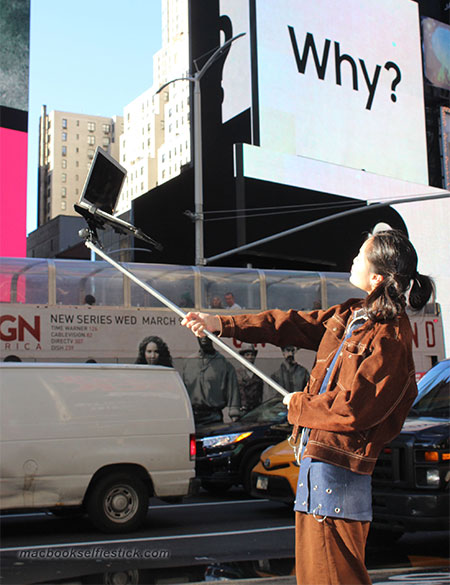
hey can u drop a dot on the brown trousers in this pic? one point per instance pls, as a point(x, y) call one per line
point(330, 552)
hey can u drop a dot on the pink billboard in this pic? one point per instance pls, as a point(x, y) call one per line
point(13, 192)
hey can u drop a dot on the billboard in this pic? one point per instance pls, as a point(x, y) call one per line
point(15, 35)
point(331, 81)
point(436, 52)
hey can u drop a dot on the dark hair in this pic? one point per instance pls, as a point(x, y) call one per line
point(393, 256)
point(165, 359)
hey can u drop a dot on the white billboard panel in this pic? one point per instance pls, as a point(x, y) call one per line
point(339, 82)
point(237, 96)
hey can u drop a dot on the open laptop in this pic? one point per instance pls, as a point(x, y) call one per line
point(103, 183)
point(100, 194)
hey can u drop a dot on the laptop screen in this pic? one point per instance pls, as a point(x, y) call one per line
point(104, 182)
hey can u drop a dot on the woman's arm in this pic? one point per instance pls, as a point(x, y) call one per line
point(300, 328)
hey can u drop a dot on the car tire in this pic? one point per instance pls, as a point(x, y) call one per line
point(247, 469)
point(216, 488)
point(118, 502)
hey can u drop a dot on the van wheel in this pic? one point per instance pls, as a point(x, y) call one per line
point(118, 502)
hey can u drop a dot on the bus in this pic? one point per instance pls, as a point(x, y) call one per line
point(57, 310)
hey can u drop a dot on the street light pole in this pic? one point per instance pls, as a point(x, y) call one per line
point(198, 175)
point(198, 147)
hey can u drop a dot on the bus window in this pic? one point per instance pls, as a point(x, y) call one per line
point(88, 283)
point(174, 282)
point(218, 283)
point(339, 288)
point(24, 280)
point(293, 290)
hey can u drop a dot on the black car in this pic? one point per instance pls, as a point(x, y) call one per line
point(227, 452)
point(411, 480)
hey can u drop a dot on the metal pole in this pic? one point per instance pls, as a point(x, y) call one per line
point(182, 314)
point(198, 147)
point(198, 174)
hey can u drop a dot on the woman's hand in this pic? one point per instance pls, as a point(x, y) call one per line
point(287, 399)
point(198, 322)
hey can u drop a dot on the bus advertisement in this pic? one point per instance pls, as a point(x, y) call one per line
point(79, 311)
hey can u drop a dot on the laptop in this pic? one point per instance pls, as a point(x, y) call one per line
point(100, 194)
point(103, 183)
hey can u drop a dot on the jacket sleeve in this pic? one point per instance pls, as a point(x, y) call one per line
point(383, 382)
point(281, 328)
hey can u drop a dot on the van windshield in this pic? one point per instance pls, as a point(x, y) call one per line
point(434, 393)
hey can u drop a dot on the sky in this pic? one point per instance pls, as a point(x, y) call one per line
point(87, 57)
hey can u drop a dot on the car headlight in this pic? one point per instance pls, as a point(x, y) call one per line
point(433, 477)
point(224, 440)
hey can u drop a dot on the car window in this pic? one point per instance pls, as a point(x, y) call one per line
point(436, 403)
point(272, 410)
point(434, 392)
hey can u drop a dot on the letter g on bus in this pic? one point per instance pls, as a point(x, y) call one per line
point(18, 333)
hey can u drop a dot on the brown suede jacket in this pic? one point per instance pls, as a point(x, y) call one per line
point(370, 392)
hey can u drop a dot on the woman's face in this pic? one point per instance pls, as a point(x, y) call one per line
point(151, 353)
point(361, 272)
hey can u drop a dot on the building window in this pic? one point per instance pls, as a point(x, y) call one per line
point(106, 128)
point(63, 178)
point(77, 150)
point(77, 164)
point(142, 186)
point(64, 163)
point(163, 158)
point(90, 153)
point(64, 150)
point(91, 126)
point(64, 136)
point(105, 141)
point(91, 140)
point(64, 122)
point(77, 177)
point(78, 122)
point(63, 192)
point(63, 205)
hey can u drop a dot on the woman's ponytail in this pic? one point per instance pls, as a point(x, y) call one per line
point(421, 290)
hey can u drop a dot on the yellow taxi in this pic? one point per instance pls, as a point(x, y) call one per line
point(275, 476)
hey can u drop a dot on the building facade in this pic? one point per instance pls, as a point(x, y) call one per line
point(67, 144)
point(155, 144)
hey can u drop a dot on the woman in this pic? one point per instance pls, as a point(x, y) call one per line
point(360, 391)
point(154, 351)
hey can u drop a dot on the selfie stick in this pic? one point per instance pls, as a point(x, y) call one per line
point(90, 244)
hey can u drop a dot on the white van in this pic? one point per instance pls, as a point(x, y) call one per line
point(102, 438)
